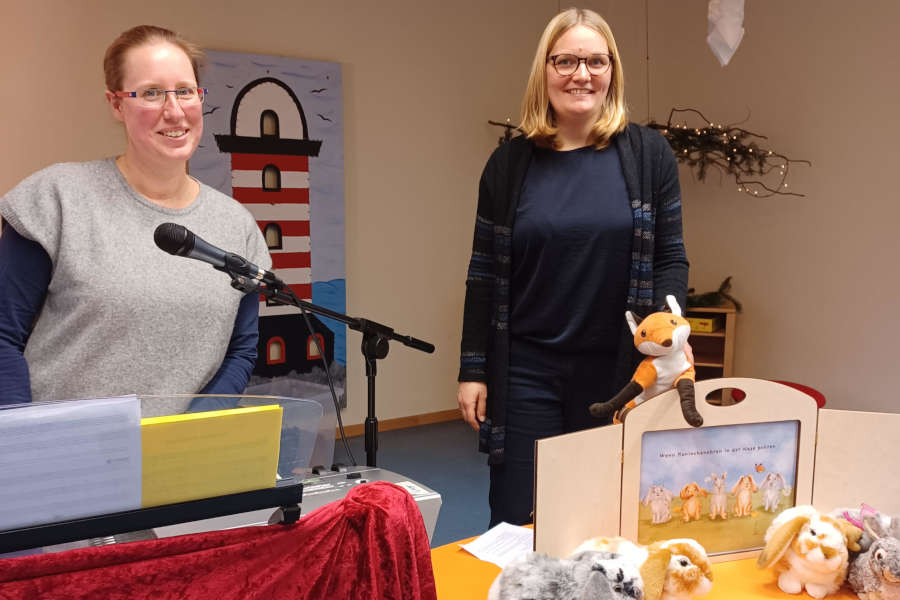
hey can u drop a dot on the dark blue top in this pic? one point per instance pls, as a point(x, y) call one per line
point(571, 251)
point(25, 271)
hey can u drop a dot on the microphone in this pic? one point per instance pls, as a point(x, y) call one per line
point(181, 241)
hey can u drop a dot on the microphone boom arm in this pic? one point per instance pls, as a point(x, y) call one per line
point(375, 342)
point(274, 291)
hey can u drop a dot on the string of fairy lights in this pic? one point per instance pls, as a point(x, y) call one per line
point(733, 150)
point(759, 172)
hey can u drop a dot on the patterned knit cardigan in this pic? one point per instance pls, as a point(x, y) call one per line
point(658, 262)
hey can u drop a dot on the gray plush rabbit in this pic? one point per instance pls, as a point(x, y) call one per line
point(875, 573)
point(589, 575)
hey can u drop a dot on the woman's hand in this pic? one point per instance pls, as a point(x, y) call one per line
point(472, 398)
point(689, 352)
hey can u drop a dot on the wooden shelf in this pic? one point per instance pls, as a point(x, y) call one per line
point(720, 333)
point(728, 307)
point(699, 362)
point(714, 352)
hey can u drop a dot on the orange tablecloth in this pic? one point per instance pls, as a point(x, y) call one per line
point(460, 576)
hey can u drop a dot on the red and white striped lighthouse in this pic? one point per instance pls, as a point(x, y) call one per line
point(270, 152)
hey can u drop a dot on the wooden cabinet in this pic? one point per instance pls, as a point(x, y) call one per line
point(714, 351)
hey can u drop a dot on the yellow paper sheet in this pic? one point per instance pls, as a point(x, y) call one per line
point(207, 454)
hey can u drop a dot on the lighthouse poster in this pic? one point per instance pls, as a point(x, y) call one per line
point(273, 140)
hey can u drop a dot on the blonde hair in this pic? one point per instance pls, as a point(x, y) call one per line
point(537, 113)
point(114, 60)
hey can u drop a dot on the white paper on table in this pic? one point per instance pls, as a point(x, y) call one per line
point(67, 460)
point(501, 544)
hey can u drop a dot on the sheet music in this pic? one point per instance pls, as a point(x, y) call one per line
point(65, 460)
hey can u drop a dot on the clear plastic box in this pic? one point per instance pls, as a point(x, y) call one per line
point(306, 440)
point(323, 449)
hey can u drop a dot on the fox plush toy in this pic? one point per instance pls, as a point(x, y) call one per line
point(661, 336)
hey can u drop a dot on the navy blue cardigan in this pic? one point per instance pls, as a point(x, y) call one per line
point(658, 267)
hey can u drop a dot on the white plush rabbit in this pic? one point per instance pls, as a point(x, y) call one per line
point(773, 488)
point(875, 574)
point(675, 569)
point(659, 500)
point(809, 550)
point(585, 576)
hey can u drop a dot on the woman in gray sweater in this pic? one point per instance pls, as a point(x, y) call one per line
point(89, 306)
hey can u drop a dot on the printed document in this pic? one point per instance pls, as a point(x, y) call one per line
point(67, 460)
point(501, 544)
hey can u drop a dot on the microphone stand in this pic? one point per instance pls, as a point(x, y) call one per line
point(375, 339)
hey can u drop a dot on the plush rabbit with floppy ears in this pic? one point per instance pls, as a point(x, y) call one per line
point(674, 569)
point(809, 550)
point(588, 575)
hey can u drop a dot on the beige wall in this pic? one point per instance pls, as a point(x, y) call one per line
point(818, 275)
point(421, 78)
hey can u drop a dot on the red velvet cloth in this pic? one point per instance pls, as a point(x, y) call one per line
point(371, 545)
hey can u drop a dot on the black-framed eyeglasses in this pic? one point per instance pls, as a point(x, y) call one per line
point(567, 64)
point(157, 96)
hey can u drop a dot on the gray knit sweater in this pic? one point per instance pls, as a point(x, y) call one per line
point(120, 315)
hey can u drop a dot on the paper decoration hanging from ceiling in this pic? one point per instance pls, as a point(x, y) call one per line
point(726, 28)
